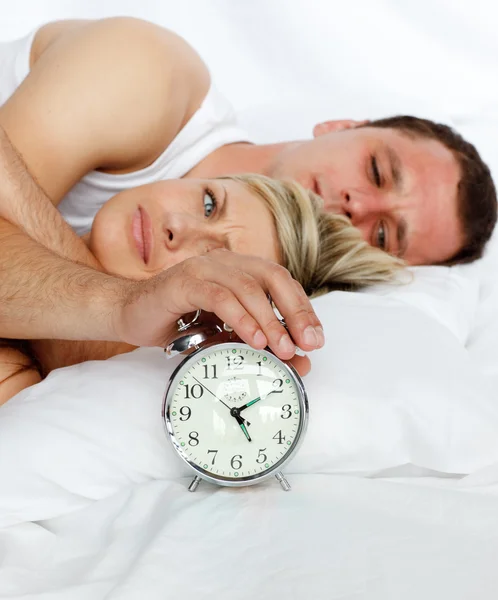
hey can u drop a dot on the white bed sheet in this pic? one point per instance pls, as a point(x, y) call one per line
point(330, 538)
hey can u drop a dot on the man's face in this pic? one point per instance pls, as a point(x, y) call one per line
point(399, 191)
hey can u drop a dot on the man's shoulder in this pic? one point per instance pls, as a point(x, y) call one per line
point(126, 32)
point(109, 94)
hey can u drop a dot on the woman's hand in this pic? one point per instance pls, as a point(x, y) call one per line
point(232, 286)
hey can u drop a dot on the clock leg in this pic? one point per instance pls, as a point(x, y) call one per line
point(283, 481)
point(194, 483)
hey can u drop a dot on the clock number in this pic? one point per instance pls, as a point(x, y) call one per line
point(196, 390)
point(262, 456)
point(185, 412)
point(206, 372)
point(193, 438)
point(259, 365)
point(214, 457)
point(278, 436)
point(277, 385)
point(286, 410)
point(236, 461)
point(235, 363)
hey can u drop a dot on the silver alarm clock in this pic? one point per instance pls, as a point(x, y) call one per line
point(234, 414)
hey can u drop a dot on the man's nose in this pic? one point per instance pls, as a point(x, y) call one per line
point(359, 205)
point(184, 232)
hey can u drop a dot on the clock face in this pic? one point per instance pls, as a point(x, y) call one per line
point(235, 414)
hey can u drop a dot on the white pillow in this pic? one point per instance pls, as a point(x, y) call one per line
point(391, 387)
point(449, 295)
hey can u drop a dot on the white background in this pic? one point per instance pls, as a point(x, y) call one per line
point(287, 64)
point(365, 57)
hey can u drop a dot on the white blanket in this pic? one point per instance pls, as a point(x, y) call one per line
point(330, 538)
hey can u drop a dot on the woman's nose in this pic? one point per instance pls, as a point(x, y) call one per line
point(185, 232)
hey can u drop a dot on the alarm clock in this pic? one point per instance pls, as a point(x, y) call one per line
point(235, 415)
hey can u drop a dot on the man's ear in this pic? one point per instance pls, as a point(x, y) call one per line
point(334, 126)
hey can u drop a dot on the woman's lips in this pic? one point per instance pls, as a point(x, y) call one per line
point(142, 233)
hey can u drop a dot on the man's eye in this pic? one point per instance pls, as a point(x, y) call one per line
point(381, 237)
point(209, 202)
point(375, 172)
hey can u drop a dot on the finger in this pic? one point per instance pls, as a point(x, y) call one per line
point(296, 309)
point(253, 311)
point(253, 296)
point(288, 296)
point(302, 364)
point(214, 298)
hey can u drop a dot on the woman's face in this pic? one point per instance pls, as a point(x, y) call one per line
point(143, 231)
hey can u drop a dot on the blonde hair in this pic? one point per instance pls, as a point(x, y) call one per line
point(322, 251)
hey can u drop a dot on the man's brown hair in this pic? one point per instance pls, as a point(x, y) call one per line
point(476, 193)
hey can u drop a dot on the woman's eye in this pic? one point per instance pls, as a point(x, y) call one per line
point(375, 172)
point(209, 203)
point(381, 236)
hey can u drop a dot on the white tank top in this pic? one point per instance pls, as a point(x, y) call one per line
point(211, 127)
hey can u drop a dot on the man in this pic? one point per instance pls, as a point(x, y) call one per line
point(114, 98)
point(113, 95)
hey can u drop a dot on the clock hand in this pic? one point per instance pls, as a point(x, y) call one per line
point(244, 406)
point(208, 390)
point(240, 421)
point(220, 400)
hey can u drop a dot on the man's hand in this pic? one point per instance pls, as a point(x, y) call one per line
point(302, 364)
point(232, 286)
point(45, 294)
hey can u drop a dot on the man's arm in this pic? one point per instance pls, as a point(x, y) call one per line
point(38, 287)
point(45, 296)
point(140, 83)
point(108, 95)
point(24, 204)
point(50, 287)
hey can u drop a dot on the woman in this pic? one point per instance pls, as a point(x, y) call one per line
point(144, 231)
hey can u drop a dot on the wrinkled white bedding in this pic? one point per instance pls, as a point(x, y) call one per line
point(332, 537)
point(394, 489)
